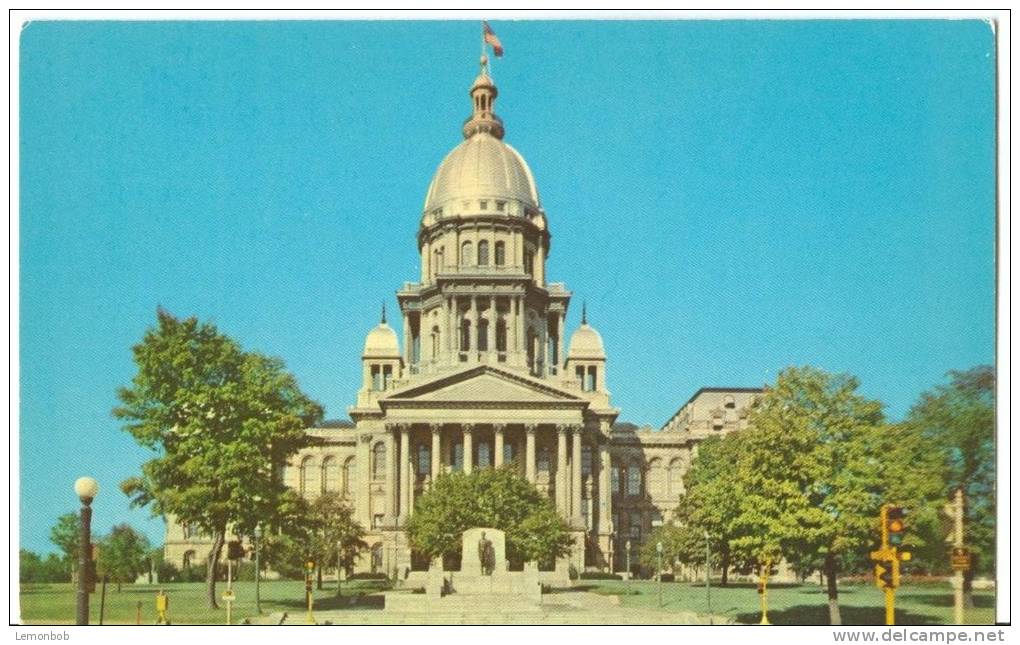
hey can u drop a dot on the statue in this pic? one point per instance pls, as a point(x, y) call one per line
point(486, 555)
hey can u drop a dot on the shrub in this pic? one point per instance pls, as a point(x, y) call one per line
point(365, 575)
point(599, 575)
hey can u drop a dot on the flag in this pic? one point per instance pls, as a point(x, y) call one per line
point(492, 39)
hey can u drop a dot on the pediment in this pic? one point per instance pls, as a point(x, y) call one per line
point(483, 384)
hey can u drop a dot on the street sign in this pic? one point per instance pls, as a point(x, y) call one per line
point(960, 559)
point(228, 596)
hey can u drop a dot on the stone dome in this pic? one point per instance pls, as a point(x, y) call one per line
point(482, 166)
point(382, 342)
point(586, 344)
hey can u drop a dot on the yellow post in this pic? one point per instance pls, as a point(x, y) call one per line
point(162, 604)
point(890, 606)
point(764, 591)
point(308, 590)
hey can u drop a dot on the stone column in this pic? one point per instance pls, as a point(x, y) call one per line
point(364, 491)
point(407, 340)
point(560, 331)
point(490, 330)
point(497, 442)
point(405, 480)
point(562, 501)
point(605, 488)
point(469, 449)
point(391, 475)
point(529, 452)
point(575, 486)
point(473, 339)
point(437, 464)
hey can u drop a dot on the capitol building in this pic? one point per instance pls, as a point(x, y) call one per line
point(484, 373)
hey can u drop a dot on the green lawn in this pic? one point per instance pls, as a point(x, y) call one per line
point(362, 602)
point(803, 604)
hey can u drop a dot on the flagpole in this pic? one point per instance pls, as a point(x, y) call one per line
point(482, 59)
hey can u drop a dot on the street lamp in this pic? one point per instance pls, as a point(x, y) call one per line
point(86, 488)
point(258, 569)
point(626, 546)
point(658, 565)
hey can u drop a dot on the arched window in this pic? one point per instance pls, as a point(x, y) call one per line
point(465, 254)
point(500, 254)
point(529, 262)
point(508, 452)
point(585, 461)
point(483, 335)
point(614, 476)
point(729, 402)
point(379, 461)
point(307, 486)
point(435, 343)
point(676, 476)
point(350, 475)
point(590, 380)
point(424, 460)
point(500, 335)
point(483, 253)
point(331, 475)
point(186, 530)
point(465, 335)
point(634, 479)
point(189, 559)
point(531, 347)
point(656, 478)
point(484, 455)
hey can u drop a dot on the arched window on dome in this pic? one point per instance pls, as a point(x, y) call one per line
point(500, 258)
point(483, 253)
point(466, 254)
point(483, 335)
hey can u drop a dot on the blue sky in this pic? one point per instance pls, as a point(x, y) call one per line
point(728, 197)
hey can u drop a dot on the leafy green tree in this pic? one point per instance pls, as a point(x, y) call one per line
point(66, 534)
point(956, 423)
point(222, 423)
point(337, 538)
point(33, 568)
point(123, 555)
point(681, 543)
point(807, 473)
point(488, 497)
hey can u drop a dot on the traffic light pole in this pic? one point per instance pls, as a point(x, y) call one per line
point(890, 606)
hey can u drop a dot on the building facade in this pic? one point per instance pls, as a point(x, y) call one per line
point(483, 376)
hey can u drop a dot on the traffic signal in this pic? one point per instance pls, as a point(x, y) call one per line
point(894, 524)
point(886, 574)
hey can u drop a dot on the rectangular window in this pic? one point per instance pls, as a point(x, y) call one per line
point(376, 378)
point(387, 376)
point(500, 206)
point(484, 457)
point(483, 205)
point(589, 385)
point(458, 456)
point(508, 452)
point(615, 476)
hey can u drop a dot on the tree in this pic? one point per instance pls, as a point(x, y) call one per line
point(33, 568)
point(123, 555)
point(337, 538)
point(956, 423)
point(488, 497)
point(808, 475)
point(66, 534)
point(222, 423)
